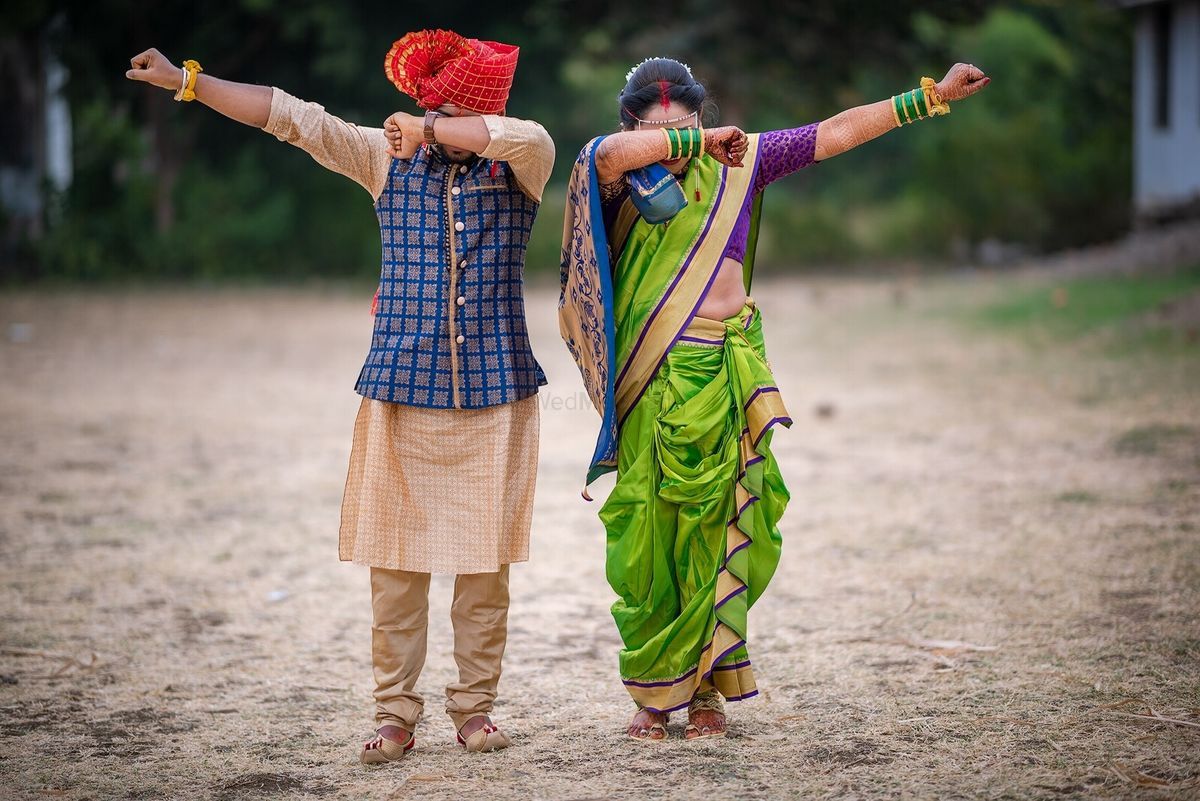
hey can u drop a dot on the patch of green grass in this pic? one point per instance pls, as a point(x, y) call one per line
point(1077, 496)
point(1079, 306)
point(1150, 439)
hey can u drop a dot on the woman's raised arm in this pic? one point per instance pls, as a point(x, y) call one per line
point(853, 127)
point(631, 150)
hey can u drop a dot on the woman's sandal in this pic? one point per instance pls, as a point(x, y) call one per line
point(655, 732)
point(706, 702)
point(486, 738)
point(381, 750)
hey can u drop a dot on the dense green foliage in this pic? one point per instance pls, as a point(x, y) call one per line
point(162, 190)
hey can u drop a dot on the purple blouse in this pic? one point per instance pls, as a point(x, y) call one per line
point(780, 153)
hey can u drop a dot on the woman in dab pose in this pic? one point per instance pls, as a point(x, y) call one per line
point(658, 250)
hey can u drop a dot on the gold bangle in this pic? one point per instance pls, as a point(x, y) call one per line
point(933, 101)
point(193, 72)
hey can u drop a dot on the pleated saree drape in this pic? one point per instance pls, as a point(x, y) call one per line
point(688, 406)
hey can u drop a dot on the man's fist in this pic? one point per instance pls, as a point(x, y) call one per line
point(404, 133)
point(152, 67)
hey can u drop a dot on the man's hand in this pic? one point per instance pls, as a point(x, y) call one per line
point(152, 67)
point(404, 133)
point(963, 80)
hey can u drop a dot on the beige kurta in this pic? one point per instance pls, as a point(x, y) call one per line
point(430, 490)
point(440, 491)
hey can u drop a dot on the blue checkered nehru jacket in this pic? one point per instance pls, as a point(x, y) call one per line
point(450, 325)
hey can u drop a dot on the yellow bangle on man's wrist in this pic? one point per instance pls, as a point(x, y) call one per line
point(192, 69)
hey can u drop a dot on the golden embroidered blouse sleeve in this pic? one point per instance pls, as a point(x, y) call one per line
point(527, 149)
point(357, 152)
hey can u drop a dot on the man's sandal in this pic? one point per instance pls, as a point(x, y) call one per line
point(381, 750)
point(655, 732)
point(486, 738)
point(706, 702)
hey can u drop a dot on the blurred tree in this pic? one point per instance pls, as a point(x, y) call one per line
point(167, 190)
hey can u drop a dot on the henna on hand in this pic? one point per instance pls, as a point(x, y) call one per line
point(629, 150)
point(727, 144)
point(962, 80)
point(852, 127)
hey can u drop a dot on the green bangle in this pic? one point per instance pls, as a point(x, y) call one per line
point(910, 111)
point(898, 100)
point(695, 135)
point(676, 142)
point(919, 103)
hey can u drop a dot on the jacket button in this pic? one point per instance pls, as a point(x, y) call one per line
point(458, 226)
point(463, 169)
point(455, 190)
point(463, 264)
point(460, 339)
point(461, 300)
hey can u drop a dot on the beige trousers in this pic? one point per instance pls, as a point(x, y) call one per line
point(479, 613)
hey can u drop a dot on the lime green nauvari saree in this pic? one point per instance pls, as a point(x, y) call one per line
point(689, 403)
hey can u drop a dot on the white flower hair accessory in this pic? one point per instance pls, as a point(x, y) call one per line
point(635, 67)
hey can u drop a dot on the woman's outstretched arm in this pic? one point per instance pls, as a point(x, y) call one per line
point(853, 127)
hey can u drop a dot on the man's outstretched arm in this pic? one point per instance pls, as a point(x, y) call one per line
point(357, 152)
point(243, 102)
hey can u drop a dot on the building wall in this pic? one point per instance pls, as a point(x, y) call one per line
point(1167, 159)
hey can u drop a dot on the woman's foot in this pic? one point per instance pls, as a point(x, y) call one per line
point(647, 725)
point(479, 734)
point(391, 745)
point(706, 717)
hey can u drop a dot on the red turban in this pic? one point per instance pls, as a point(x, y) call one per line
point(436, 67)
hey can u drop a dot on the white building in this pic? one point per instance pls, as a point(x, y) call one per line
point(1166, 108)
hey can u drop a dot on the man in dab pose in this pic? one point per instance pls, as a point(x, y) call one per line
point(444, 458)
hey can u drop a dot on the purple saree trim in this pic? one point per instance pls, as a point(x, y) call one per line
point(670, 288)
point(730, 596)
point(688, 321)
point(750, 500)
point(702, 340)
point(771, 424)
point(728, 651)
point(756, 393)
point(745, 544)
point(684, 677)
point(734, 666)
point(685, 705)
point(669, 682)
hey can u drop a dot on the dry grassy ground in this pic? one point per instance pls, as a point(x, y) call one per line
point(175, 623)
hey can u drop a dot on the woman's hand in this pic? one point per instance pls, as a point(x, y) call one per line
point(404, 133)
point(152, 67)
point(727, 145)
point(963, 80)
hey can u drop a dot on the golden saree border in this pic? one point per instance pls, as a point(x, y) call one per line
point(763, 409)
point(735, 681)
point(696, 270)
